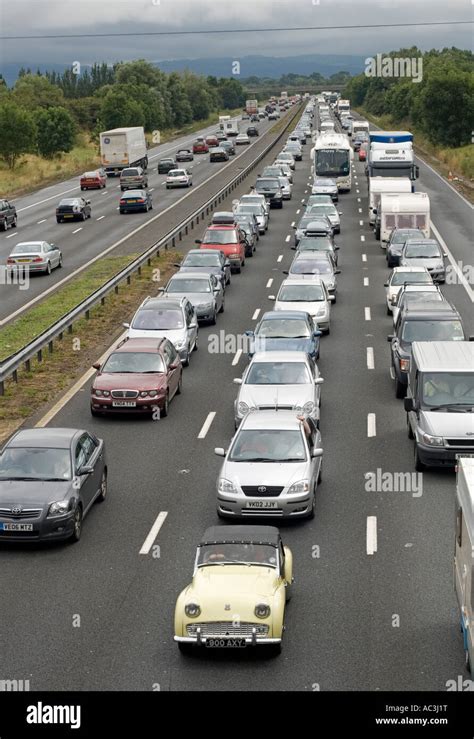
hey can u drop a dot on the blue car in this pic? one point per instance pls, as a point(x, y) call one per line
point(285, 330)
point(135, 200)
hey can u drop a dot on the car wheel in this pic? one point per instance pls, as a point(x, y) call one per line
point(213, 320)
point(335, 299)
point(179, 389)
point(60, 263)
point(14, 222)
point(389, 312)
point(243, 262)
point(238, 269)
point(185, 648)
point(166, 407)
point(58, 220)
point(187, 359)
point(377, 233)
point(103, 488)
point(400, 389)
point(228, 280)
point(94, 413)
point(320, 474)
point(419, 466)
point(48, 268)
point(311, 514)
point(274, 649)
point(409, 429)
point(222, 306)
point(77, 530)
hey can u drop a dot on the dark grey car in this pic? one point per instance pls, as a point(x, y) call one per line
point(205, 292)
point(207, 261)
point(49, 480)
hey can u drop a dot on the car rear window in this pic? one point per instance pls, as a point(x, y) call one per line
point(224, 236)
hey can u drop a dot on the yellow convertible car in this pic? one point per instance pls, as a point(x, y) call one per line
point(242, 580)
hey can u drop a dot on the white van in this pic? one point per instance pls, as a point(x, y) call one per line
point(464, 553)
point(403, 210)
point(388, 185)
point(327, 127)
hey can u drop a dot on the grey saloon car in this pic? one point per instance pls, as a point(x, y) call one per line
point(49, 480)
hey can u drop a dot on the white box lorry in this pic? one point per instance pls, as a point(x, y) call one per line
point(231, 127)
point(387, 185)
point(464, 553)
point(359, 127)
point(123, 147)
point(402, 210)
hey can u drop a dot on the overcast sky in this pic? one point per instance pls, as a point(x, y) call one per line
point(32, 17)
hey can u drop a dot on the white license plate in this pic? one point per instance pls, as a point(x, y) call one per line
point(262, 504)
point(16, 526)
point(124, 404)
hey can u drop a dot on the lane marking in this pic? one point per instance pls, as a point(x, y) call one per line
point(100, 218)
point(207, 425)
point(358, 200)
point(371, 537)
point(293, 224)
point(361, 223)
point(256, 314)
point(42, 221)
point(371, 425)
point(288, 238)
point(298, 211)
point(280, 258)
point(362, 238)
point(364, 257)
point(270, 282)
point(366, 282)
point(10, 237)
point(454, 264)
point(154, 531)
point(360, 210)
point(370, 358)
point(235, 360)
point(77, 230)
point(368, 317)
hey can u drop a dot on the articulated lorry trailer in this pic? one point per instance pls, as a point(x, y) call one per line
point(123, 147)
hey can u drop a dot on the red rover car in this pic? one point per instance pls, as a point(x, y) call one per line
point(139, 376)
point(93, 180)
point(228, 239)
point(200, 146)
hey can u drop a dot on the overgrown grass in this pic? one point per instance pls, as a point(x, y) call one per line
point(458, 160)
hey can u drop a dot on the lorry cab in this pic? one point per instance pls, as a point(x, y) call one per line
point(464, 553)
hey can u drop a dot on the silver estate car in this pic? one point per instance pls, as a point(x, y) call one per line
point(309, 295)
point(272, 468)
point(204, 292)
point(283, 380)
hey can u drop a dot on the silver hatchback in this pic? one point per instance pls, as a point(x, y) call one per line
point(272, 468)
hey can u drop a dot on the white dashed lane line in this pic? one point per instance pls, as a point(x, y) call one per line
point(367, 314)
point(371, 425)
point(151, 538)
point(235, 360)
point(371, 537)
point(206, 425)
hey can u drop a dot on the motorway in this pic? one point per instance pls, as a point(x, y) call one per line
point(82, 242)
point(342, 627)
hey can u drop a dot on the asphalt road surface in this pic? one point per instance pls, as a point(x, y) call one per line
point(356, 621)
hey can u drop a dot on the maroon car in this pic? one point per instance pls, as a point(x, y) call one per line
point(139, 376)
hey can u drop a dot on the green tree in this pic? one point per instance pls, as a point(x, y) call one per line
point(18, 132)
point(56, 131)
point(32, 91)
point(181, 109)
point(445, 111)
point(118, 110)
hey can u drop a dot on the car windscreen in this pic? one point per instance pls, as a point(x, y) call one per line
point(235, 554)
point(283, 328)
point(143, 362)
point(268, 445)
point(315, 243)
point(180, 285)
point(30, 463)
point(278, 373)
point(422, 251)
point(301, 293)
point(448, 389)
point(269, 183)
point(220, 237)
point(250, 208)
point(399, 278)
point(154, 319)
point(432, 331)
point(326, 210)
point(310, 266)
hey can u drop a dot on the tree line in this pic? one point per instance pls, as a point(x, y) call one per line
point(441, 105)
point(43, 112)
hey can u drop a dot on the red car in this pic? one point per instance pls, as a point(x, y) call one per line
point(228, 239)
point(139, 376)
point(363, 153)
point(93, 180)
point(200, 146)
point(212, 141)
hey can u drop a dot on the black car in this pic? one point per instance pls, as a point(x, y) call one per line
point(49, 480)
point(210, 261)
point(217, 154)
point(228, 146)
point(436, 321)
point(184, 155)
point(252, 131)
point(166, 165)
point(8, 215)
point(135, 200)
point(270, 187)
point(248, 222)
point(73, 209)
point(396, 242)
point(254, 118)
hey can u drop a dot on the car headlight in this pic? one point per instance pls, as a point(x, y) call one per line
point(262, 610)
point(405, 365)
point(152, 393)
point(59, 508)
point(299, 487)
point(225, 486)
point(205, 306)
point(180, 344)
point(242, 408)
point(330, 284)
point(309, 407)
point(102, 393)
point(432, 440)
point(192, 610)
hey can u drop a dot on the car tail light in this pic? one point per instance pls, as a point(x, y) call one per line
point(38, 259)
point(10, 261)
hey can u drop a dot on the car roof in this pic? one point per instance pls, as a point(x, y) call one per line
point(191, 275)
point(271, 419)
point(56, 438)
point(149, 346)
point(317, 281)
point(439, 310)
point(221, 227)
point(248, 534)
point(172, 303)
point(271, 315)
point(421, 241)
point(279, 356)
point(133, 193)
point(409, 269)
point(202, 251)
point(443, 356)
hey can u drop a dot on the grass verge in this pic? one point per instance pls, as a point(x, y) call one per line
point(78, 350)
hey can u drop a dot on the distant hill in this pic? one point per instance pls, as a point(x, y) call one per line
point(259, 66)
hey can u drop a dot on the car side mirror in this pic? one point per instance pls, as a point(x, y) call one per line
point(271, 297)
point(176, 264)
point(385, 284)
point(471, 338)
point(85, 470)
point(198, 241)
point(88, 202)
point(318, 380)
point(126, 325)
point(217, 289)
point(294, 226)
point(337, 271)
point(317, 452)
point(409, 404)
point(96, 366)
point(445, 255)
point(249, 333)
point(336, 248)
point(331, 298)
point(193, 324)
point(390, 337)
point(220, 451)
point(237, 381)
